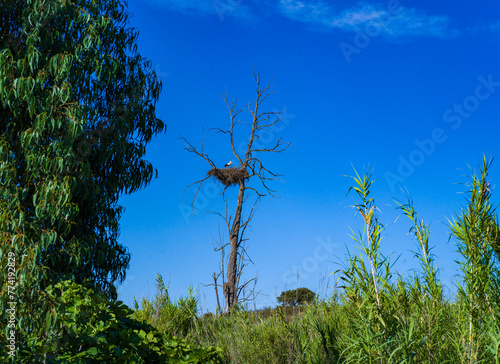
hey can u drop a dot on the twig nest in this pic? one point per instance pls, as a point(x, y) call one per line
point(229, 176)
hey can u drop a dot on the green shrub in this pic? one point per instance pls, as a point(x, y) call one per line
point(169, 317)
point(86, 327)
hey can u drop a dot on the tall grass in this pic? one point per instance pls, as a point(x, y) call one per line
point(376, 316)
point(476, 231)
point(173, 318)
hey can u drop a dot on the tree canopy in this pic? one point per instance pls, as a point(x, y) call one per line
point(77, 108)
point(295, 297)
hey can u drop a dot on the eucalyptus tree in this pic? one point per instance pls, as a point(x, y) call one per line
point(77, 108)
point(249, 167)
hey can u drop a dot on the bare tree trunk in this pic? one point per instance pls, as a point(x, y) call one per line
point(230, 291)
point(217, 294)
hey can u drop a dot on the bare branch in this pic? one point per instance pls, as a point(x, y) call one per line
point(246, 223)
point(242, 287)
point(226, 218)
point(192, 149)
point(197, 190)
point(258, 170)
point(233, 114)
point(259, 194)
point(244, 253)
point(267, 117)
point(252, 291)
point(219, 130)
point(216, 286)
point(276, 149)
point(261, 169)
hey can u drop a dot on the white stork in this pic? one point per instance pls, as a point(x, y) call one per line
point(228, 164)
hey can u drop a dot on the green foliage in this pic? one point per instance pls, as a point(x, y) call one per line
point(172, 318)
point(432, 286)
point(494, 346)
point(477, 233)
point(248, 337)
point(295, 297)
point(86, 327)
point(367, 281)
point(77, 108)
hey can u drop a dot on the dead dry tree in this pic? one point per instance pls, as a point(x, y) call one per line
point(250, 168)
point(244, 291)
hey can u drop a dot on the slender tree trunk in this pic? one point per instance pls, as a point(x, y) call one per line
point(219, 311)
point(230, 289)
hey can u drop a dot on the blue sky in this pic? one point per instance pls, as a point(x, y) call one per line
point(410, 89)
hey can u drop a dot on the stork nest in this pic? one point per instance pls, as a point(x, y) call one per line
point(229, 176)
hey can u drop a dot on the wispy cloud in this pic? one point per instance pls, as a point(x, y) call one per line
point(222, 8)
point(199, 6)
point(484, 27)
point(392, 23)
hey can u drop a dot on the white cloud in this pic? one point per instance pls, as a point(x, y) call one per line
point(204, 7)
point(388, 19)
point(222, 8)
